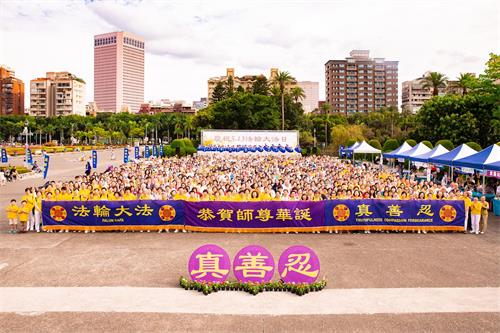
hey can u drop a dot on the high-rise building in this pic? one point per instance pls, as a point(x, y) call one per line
point(246, 81)
point(311, 90)
point(57, 94)
point(11, 93)
point(360, 83)
point(118, 72)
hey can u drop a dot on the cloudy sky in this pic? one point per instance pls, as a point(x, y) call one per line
point(189, 41)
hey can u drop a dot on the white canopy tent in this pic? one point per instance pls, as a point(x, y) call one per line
point(365, 148)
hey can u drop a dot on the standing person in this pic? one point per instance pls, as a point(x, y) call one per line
point(485, 206)
point(12, 211)
point(23, 213)
point(467, 204)
point(475, 215)
point(30, 204)
point(38, 210)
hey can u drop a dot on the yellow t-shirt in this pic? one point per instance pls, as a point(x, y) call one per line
point(84, 194)
point(475, 208)
point(38, 206)
point(467, 203)
point(23, 213)
point(129, 196)
point(29, 201)
point(12, 210)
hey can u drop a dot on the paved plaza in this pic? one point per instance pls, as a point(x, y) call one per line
point(124, 282)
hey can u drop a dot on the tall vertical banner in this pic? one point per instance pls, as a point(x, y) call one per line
point(125, 155)
point(5, 158)
point(161, 150)
point(94, 159)
point(155, 151)
point(146, 151)
point(29, 156)
point(136, 153)
point(46, 160)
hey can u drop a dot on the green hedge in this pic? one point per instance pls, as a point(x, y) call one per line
point(428, 144)
point(446, 143)
point(390, 145)
point(375, 144)
point(350, 142)
point(474, 146)
point(411, 142)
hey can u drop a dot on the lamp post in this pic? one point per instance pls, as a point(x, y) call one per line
point(314, 136)
point(146, 133)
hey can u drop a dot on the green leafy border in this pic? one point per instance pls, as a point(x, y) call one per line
point(252, 288)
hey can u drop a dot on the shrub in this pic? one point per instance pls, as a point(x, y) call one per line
point(187, 142)
point(178, 143)
point(411, 142)
point(390, 145)
point(190, 150)
point(350, 142)
point(428, 144)
point(375, 144)
point(446, 143)
point(474, 146)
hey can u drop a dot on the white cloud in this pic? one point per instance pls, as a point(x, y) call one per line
point(189, 41)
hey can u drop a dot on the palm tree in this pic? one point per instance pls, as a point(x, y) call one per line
point(464, 81)
point(179, 127)
point(189, 125)
point(281, 79)
point(297, 94)
point(435, 81)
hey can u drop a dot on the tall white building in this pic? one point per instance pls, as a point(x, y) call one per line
point(57, 94)
point(311, 90)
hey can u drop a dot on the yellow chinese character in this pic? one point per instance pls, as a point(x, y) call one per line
point(225, 214)
point(101, 211)
point(253, 266)
point(244, 214)
point(299, 263)
point(81, 211)
point(283, 214)
point(394, 210)
point(302, 214)
point(206, 214)
point(263, 215)
point(426, 210)
point(209, 264)
point(363, 210)
point(123, 210)
point(143, 210)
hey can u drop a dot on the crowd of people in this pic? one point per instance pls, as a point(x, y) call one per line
point(245, 178)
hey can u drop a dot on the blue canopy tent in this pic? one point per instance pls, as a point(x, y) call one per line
point(415, 151)
point(438, 150)
point(495, 166)
point(350, 148)
point(484, 160)
point(396, 153)
point(447, 159)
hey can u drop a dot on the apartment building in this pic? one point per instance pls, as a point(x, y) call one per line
point(11, 93)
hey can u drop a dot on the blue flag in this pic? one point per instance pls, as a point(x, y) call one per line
point(155, 151)
point(125, 155)
point(136, 152)
point(29, 156)
point(46, 160)
point(146, 151)
point(5, 158)
point(94, 159)
point(161, 150)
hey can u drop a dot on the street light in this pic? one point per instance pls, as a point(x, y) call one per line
point(314, 136)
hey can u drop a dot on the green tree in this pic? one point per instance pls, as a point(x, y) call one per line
point(474, 145)
point(464, 82)
point(229, 86)
point(375, 144)
point(219, 92)
point(428, 144)
point(434, 80)
point(390, 145)
point(297, 94)
point(446, 144)
point(281, 80)
point(411, 142)
point(260, 86)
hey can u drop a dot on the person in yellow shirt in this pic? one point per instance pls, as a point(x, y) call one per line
point(12, 210)
point(485, 206)
point(128, 195)
point(65, 195)
point(23, 213)
point(30, 203)
point(38, 210)
point(475, 214)
point(467, 204)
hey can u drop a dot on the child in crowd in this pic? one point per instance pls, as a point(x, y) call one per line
point(24, 213)
point(12, 211)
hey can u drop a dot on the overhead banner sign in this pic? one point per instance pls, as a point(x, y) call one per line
point(262, 216)
point(249, 138)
